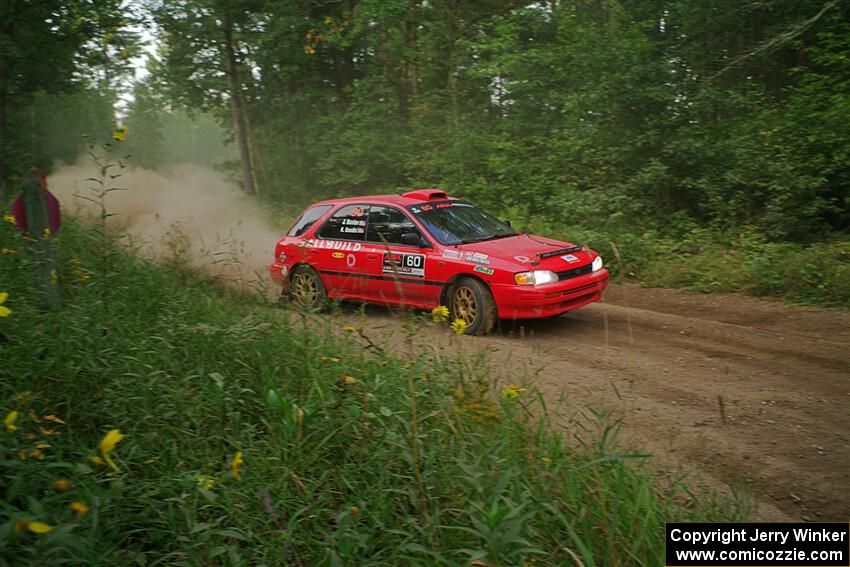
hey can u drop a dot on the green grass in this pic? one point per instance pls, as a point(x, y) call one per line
point(420, 461)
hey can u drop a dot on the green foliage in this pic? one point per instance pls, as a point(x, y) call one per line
point(61, 64)
point(394, 465)
point(705, 260)
point(56, 127)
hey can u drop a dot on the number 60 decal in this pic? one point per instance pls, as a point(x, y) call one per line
point(404, 264)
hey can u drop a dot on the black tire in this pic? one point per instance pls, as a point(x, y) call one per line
point(472, 302)
point(306, 289)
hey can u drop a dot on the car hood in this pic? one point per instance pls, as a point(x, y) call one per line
point(523, 249)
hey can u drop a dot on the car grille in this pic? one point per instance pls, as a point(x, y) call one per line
point(575, 272)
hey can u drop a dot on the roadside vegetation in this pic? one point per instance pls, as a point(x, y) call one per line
point(700, 260)
point(156, 416)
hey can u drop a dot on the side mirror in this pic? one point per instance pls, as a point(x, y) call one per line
point(413, 239)
point(507, 222)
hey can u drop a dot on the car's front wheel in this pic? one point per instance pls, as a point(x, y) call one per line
point(307, 290)
point(471, 302)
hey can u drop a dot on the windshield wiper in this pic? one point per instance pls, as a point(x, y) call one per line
point(485, 238)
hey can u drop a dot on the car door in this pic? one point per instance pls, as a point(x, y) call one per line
point(398, 271)
point(337, 252)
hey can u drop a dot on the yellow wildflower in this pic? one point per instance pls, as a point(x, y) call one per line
point(459, 326)
point(107, 444)
point(46, 232)
point(39, 528)
point(10, 218)
point(511, 391)
point(23, 397)
point(355, 510)
point(328, 358)
point(80, 275)
point(235, 464)
point(78, 508)
point(8, 251)
point(9, 421)
point(309, 50)
point(45, 431)
point(346, 379)
point(97, 461)
point(4, 311)
point(62, 485)
point(120, 134)
point(34, 527)
point(38, 451)
point(440, 313)
point(349, 329)
point(54, 419)
point(206, 482)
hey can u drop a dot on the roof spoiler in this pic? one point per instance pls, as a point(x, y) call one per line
point(426, 194)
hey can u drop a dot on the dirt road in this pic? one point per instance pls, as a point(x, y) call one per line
point(664, 359)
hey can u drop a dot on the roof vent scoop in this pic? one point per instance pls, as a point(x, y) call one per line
point(427, 194)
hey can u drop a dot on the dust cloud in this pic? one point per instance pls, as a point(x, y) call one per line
point(182, 212)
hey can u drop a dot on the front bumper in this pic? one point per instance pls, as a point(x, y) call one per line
point(529, 302)
point(279, 272)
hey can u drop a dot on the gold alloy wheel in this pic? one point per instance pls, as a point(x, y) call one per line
point(304, 290)
point(464, 305)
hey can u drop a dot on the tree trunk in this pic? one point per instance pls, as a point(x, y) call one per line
point(237, 107)
point(409, 85)
point(3, 153)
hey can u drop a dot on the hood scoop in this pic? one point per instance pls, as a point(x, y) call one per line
point(560, 251)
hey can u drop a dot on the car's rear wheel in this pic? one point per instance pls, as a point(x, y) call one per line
point(307, 290)
point(471, 302)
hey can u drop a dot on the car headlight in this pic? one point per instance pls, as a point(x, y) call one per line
point(537, 277)
point(597, 263)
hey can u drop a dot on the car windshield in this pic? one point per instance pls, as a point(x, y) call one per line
point(454, 222)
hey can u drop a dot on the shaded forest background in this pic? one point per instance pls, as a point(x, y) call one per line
point(662, 117)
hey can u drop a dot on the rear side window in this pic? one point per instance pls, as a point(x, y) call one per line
point(348, 223)
point(307, 220)
point(387, 223)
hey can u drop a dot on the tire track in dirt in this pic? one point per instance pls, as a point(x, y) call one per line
point(663, 359)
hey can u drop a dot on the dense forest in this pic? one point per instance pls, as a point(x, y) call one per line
point(666, 115)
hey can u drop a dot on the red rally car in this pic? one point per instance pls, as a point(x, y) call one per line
point(425, 249)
